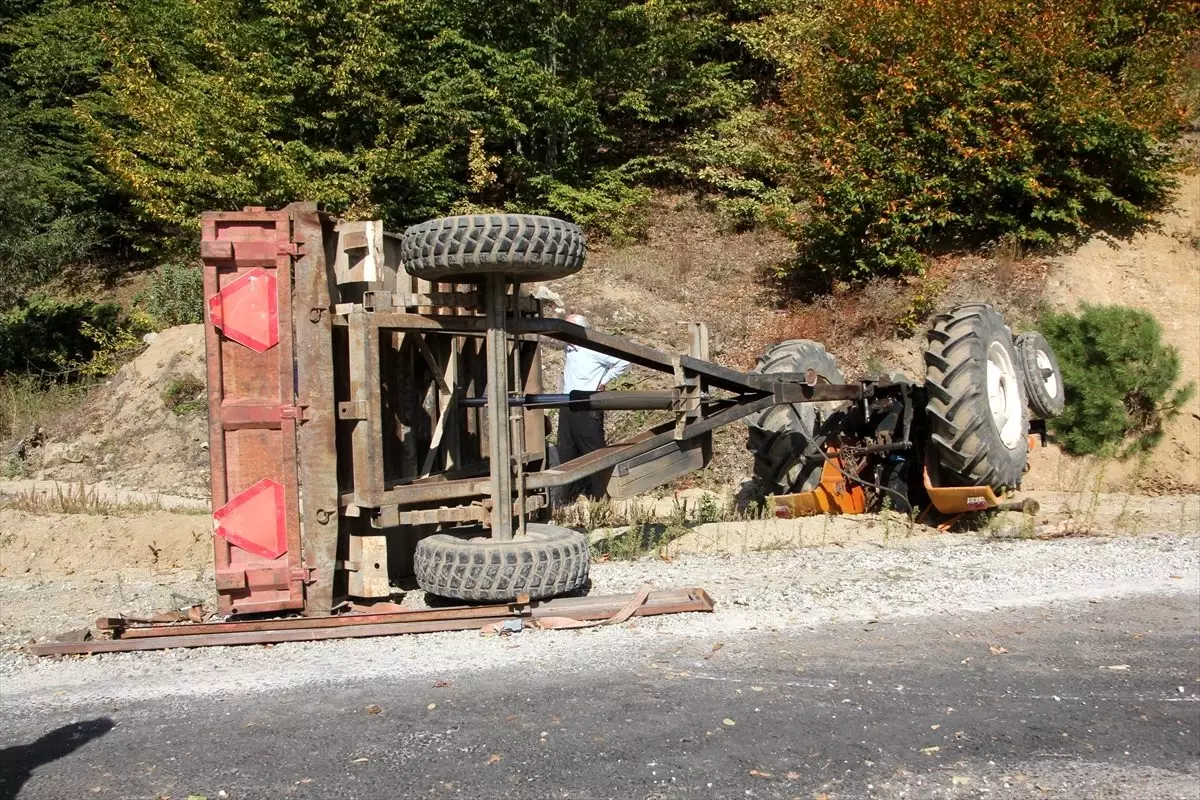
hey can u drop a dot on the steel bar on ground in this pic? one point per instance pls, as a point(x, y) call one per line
point(257, 637)
point(297, 623)
point(300, 629)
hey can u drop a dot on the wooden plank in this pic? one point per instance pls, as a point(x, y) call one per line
point(367, 436)
point(315, 392)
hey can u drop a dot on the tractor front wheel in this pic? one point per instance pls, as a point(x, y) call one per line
point(787, 440)
point(1042, 376)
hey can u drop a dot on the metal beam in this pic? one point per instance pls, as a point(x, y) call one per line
point(499, 430)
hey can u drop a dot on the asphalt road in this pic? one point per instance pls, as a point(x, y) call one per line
point(1069, 701)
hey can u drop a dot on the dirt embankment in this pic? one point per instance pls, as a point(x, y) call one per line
point(126, 435)
point(1158, 272)
point(688, 271)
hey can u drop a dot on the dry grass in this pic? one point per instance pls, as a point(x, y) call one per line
point(26, 403)
point(856, 323)
point(27, 407)
point(688, 269)
point(79, 499)
point(635, 529)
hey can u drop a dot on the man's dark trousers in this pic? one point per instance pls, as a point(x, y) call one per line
point(580, 433)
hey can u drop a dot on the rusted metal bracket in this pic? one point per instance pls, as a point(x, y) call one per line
point(296, 412)
point(352, 409)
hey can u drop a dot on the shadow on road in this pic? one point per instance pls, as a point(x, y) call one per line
point(18, 763)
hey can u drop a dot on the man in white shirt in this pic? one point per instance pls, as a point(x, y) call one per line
point(581, 432)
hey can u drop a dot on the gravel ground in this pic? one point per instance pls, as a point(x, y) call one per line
point(765, 591)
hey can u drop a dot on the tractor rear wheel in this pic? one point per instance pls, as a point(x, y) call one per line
point(521, 247)
point(549, 560)
point(787, 440)
point(976, 401)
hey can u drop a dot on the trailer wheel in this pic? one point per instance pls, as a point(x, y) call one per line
point(519, 246)
point(976, 400)
point(780, 436)
point(1041, 375)
point(550, 560)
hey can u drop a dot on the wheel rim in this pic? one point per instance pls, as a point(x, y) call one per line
point(1004, 399)
point(1049, 377)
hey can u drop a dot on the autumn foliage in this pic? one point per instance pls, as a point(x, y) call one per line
point(903, 127)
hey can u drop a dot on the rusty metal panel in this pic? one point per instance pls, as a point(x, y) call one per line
point(367, 436)
point(661, 465)
point(313, 299)
point(247, 257)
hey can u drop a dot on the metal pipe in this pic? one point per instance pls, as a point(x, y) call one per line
point(517, 422)
point(590, 401)
point(890, 447)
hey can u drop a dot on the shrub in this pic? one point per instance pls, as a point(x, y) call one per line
point(1119, 379)
point(68, 340)
point(44, 335)
point(905, 127)
point(175, 295)
point(49, 224)
point(610, 207)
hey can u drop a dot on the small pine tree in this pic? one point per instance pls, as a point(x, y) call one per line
point(1119, 379)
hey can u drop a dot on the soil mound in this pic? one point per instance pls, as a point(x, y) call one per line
point(1158, 272)
point(143, 429)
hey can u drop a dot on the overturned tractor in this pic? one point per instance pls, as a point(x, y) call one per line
point(377, 415)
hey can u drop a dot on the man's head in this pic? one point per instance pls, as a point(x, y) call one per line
point(579, 319)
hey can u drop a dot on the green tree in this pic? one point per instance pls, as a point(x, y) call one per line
point(56, 207)
point(1120, 380)
point(394, 109)
point(900, 128)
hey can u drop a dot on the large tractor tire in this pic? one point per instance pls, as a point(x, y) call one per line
point(1041, 375)
point(522, 247)
point(976, 401)
point(549, 560)
point(786, 440)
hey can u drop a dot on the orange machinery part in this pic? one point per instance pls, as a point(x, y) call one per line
point(952, 500)
point(831, 495)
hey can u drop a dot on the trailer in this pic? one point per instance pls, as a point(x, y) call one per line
point(377, 414)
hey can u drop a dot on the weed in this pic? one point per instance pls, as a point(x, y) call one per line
point(773, 545)
point(75, 499)
point(185, 396)
point(635, 530)
point(709, 510)
point(175, 296)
